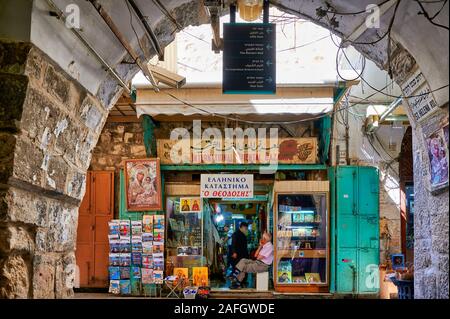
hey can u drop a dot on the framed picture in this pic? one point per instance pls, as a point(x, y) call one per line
point(398, 261)
point(143, 185)
point(190, 204)
point(437, 144)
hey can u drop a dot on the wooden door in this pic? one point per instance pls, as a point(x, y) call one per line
point(96, 210)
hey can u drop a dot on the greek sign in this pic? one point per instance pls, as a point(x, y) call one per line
point(249, 58)
point(226, 186)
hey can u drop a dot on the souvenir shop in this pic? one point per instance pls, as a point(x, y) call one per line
point(176, 218)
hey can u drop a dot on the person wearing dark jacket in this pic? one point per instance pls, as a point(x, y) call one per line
point(239, 244)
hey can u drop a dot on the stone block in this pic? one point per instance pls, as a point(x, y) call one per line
point(91, 114)
point(44, 267)
point(40, 114)
point(36, 65)
point(59, 235)
point(65, 276)
point(138, 151)
point(7, 146)
point(28, 162)
point(57, 84)
point(13, 90)
point(55, 175)
point(25, 207)
point(14, 277)
point(15, 238)
point(13, 56)
point(76, 184)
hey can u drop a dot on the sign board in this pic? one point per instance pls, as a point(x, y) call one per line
point(418, 96)
point(249, 58)
point(226, 186)
point(283, 151)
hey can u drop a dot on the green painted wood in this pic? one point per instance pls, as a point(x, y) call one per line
point(237, 167)
point(357, 229)
point(149, 126)
point(332, 216)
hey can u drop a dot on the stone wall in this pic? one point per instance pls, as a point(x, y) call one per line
point(49, 125)
point(118, 142)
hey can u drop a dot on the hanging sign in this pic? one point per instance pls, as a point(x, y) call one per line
point(249, 58)
point(226, 186)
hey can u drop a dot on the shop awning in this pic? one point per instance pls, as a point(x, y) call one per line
point(298, 102)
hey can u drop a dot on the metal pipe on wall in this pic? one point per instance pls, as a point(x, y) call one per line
point(151, 34)
point(63, 18)
point(113, 27)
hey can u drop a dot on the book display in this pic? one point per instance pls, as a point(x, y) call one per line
point(301, 232)
point(136, 255)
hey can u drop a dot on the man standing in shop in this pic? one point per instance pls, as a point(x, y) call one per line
point(264, 258)
point(239, 244)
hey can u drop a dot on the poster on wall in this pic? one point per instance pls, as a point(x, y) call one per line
point(226, 186)
point(143, 185)
point(190, 204)
point(437, 147)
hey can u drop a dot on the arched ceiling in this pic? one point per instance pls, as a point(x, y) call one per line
point(427, 43)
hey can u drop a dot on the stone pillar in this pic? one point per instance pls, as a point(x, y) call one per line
point(49, 125)
point(431, 225)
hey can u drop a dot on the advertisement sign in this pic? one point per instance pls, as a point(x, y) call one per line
point(226, 186)
point(284, 151)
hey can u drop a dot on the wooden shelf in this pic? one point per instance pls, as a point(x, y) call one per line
point(307, 253)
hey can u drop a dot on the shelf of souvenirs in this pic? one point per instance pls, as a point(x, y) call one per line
point(301, 253)
point(310, 233)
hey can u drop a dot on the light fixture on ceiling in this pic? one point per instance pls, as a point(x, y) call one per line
point(250, 10)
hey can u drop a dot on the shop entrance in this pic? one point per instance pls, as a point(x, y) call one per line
point(227, 216)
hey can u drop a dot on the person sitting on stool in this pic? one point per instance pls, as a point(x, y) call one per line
point(264, 258)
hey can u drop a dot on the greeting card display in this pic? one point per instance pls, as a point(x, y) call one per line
point(114, 287)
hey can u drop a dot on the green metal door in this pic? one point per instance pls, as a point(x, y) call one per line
point(357, 229)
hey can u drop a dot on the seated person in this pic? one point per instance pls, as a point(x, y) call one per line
point(264, 258)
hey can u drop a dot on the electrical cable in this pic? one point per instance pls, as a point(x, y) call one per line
point(430, 19)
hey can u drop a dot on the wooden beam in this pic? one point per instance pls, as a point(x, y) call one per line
point(123, 119)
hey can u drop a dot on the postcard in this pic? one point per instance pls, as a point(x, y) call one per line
point(147, 276)
point(158, 264)
point(147, 247)
point(125, 245)
point(114, 245)
point(147, 237)
point(147, 223)
point(136, 272)
point(136, 228)
point(124, 272)
point(158, 277)
point(114, 273)
point(158, 247)
point(114, 228)
point(136, 259)
point(158, 222)
point(125, 259)
point(114, 287)
point(125, 287)
point(125, 228)
point(114, 260)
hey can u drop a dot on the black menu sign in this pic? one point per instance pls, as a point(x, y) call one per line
point(249, 58)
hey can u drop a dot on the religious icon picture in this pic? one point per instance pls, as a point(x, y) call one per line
point(190, 204)
point(143, 185)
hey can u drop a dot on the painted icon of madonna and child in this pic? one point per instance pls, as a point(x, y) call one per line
point(143, 185)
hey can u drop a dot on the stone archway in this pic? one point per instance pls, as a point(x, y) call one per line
point(51, 122)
